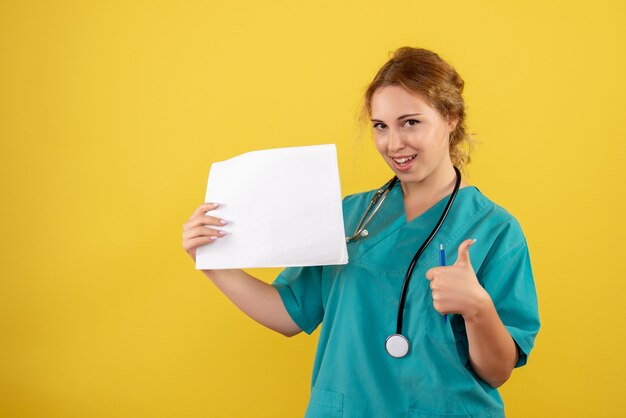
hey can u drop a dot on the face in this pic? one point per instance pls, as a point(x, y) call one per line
point(412, 136)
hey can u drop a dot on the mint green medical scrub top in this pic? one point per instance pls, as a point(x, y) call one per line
point(353, 376)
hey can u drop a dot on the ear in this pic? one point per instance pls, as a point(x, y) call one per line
point(453, 120)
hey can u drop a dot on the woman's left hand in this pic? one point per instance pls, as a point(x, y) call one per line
point(455, 288)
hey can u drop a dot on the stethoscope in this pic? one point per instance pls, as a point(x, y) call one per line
point(397, 345)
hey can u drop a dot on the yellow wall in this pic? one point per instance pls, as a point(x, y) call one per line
point(111, 113)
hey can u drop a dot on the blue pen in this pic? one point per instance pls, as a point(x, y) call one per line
point(442, 262)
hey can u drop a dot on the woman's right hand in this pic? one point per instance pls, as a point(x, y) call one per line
point(196, 230)
point(258, 299)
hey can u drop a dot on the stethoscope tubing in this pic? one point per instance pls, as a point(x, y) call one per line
point(397, 345)
point(377, 200)
point(418, 254)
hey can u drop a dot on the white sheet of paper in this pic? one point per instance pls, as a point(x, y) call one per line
point(283, 206)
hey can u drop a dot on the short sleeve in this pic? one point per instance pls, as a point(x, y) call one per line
point(300, 288)
point(508, 279)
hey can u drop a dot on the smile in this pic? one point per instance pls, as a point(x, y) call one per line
point(404, 159)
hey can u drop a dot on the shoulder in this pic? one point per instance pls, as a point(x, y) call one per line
point(364, 198)
point(356, 203)
point(495, 214)
point(359, 198)
point(505, 233)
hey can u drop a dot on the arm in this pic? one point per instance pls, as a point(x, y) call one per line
point(455, 289)
point(492, 351)
point(257, 299)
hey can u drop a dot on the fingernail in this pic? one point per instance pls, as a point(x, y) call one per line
point(222, 233)
point(474, 240)
point(223, 221)
point(213, 238)
point(213, 204)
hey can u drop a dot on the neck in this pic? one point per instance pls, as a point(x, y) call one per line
point(437, 185)
point(419, 196)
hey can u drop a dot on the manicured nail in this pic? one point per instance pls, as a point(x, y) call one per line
point(223, 221)
point(214, 205)
point(222, 233)
point(213, 238)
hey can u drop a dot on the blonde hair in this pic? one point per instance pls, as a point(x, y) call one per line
point(423, 72)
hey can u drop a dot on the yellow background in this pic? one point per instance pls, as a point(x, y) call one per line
point(111, 113)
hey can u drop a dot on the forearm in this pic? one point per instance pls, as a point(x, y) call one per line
point(493, 353)
point(257, 299)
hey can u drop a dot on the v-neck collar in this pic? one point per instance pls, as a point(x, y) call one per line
point(396, 200)
point(390, 221)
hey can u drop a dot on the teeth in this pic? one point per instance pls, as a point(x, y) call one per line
point(404, 160)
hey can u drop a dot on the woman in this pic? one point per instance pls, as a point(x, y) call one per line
point(462, 328)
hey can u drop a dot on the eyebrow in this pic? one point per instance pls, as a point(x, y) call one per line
point(399, 117)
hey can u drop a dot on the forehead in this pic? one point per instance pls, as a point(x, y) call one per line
point(392, 101)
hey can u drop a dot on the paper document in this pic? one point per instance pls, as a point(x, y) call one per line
point(283, 207)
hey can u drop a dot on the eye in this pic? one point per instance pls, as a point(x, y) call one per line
point(379, 125)
point(411, 122)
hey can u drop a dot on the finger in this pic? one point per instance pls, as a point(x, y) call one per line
point(441, 308)
point(204, 220)
point(432, 273)
point(203, 231)
point(464, 257)
point(438, 306)
point(203, 208)
point(194, 243)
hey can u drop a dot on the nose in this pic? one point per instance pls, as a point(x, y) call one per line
point(395, 143)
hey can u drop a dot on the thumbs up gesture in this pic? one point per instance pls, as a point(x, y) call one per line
point(455, 288)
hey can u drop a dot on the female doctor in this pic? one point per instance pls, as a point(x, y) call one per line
point(431, 341)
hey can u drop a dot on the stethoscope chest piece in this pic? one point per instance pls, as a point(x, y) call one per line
point(397, 345)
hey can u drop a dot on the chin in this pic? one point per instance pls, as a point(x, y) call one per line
point(412, 176)
point(406, 179)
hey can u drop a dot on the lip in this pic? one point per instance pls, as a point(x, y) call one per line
point(405, 166)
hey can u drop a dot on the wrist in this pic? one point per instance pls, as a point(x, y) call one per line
point(480, 307)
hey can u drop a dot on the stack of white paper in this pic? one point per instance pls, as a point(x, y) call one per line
point(284, 209)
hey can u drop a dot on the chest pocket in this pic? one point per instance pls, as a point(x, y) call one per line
point(450, 334)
